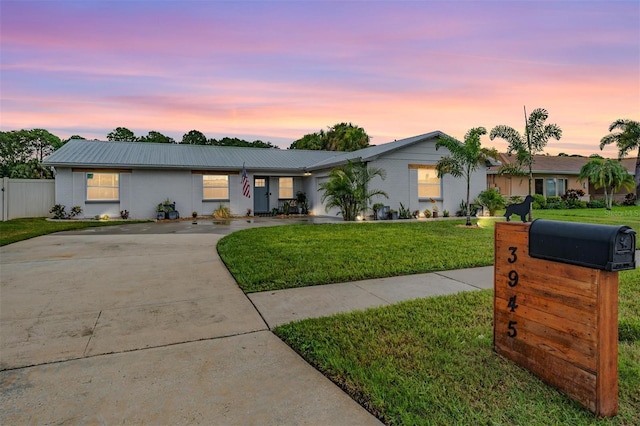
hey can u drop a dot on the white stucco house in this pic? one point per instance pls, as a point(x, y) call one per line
point(108, 177)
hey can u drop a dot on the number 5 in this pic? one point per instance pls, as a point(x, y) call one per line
point(512, 332)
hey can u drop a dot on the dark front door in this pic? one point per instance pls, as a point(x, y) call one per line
point(260, 194)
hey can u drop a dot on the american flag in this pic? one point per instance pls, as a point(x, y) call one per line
point(246, 188)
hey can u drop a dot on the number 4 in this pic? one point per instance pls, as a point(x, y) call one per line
point(512, 303)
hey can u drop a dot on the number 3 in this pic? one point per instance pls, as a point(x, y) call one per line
point(513, 257)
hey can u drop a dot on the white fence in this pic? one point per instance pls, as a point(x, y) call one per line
point(26, 198)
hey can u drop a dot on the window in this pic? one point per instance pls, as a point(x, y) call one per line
point(215, 187)
point(285, 190)
point(103, 186)
point(260, 182)
point(551, 188)
point(555, 186)
point(428, 183)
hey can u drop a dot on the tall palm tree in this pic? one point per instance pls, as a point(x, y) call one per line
point(348, 188)
point(608, 174)
point(627, 139)
point(535, 138)
point(464, 158)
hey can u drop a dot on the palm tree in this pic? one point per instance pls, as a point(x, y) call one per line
point(535, 138)
point(608, 174)
point(627, 139)
point(348, 188)
point(464, 158)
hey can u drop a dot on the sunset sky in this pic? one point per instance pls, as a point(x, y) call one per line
point(276, 70)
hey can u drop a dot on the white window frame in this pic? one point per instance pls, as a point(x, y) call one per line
point(93, 185)
point(212, 188)
point(283, 191)
point(424, 184)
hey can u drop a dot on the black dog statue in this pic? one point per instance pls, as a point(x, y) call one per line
point(521, 209)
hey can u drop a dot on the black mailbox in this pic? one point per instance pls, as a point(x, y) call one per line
point(607, 247)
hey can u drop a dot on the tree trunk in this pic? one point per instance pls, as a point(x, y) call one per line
point(637, 176)
point(468, 204)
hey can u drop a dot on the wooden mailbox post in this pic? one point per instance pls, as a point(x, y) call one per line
point(557, 320)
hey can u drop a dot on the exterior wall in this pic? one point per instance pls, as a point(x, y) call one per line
point(519, 185)
point(401, 182)
point(26, 198)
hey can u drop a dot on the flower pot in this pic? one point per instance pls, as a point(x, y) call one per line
point(434, 215)
point(160, 215)
point(173, 215)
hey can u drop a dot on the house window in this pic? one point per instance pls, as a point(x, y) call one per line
point(215, 187)
point(555, 187)
point(285, 189)
point(428, 183)
point(260, 182)
point(103, 186)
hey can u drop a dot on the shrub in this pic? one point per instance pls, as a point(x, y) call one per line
point(630, 199)
point(58, 211)
point(222, 212)
point(404, 213)
point(124, 214)
point(492, 200)
point(445, 213)
point(553, 200)
point(514, 199)
point(75, 211)
point(556, 205)
point(572, 199)
point(596, 204)
point(539, 202)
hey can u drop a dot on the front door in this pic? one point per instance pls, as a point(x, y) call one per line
point(260, 194)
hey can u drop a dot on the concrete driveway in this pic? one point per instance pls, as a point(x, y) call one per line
point(144, 324)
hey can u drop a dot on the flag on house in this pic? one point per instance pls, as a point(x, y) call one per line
point(246, 188)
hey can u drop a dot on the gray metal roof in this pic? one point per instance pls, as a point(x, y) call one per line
point(83, 153)
point(373, 152)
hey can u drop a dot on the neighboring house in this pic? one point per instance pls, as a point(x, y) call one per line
point(552, 175)
point(107, 177)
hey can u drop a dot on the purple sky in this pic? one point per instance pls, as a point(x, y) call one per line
point(276, 70)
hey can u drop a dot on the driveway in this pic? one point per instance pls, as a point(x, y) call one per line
point(144, 324)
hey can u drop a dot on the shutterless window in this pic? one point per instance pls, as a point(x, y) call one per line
point(103, 186)
point(215, 187)
point(286, 187)
point(428, 183)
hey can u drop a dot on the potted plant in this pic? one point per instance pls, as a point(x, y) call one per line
point(160, 214)
point(377, 211)
point(393, 214)
point(434, 208)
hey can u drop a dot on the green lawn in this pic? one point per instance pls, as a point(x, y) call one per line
point(272, 258)
point(427, 361)
point(431, 362)
point(16, 230)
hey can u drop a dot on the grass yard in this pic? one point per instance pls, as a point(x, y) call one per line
point(274, 258)
point(16, 230)
point(431, 361)
point(427, 361)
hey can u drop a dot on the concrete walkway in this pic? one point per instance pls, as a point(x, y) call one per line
point(144, 324)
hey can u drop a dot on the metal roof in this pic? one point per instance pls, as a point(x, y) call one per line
point(82, 153)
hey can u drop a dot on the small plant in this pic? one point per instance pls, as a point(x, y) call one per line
point(101, 217)
point(514, 199)
point(124, 214)
point(301, 197)
point(393, 214)
point(274, 211)
point(596, 204)
point(434, 205)
point(304, 207)
point(630, 199)
point(376, 208)
point(286, 207)
point(248, 212)
point(415, 214)
point(160, 208)
point(492, 200)
point(539, 202)
point(404, 213)
point(75, 211)
point(58, 211)
point(427, 213)
point(222, 212)
point(194, 214)
point(445, 213)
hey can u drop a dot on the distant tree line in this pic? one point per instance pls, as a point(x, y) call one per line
point(22, 151)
